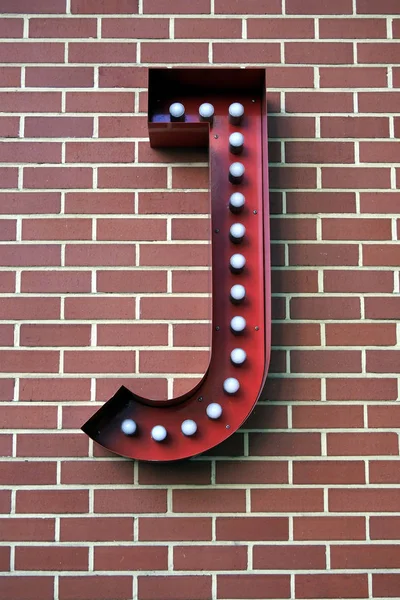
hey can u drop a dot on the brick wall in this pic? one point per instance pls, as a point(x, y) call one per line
point(304, 501)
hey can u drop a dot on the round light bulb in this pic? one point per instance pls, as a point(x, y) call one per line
point(206, 111)
point(238, 293)
point(231, 385)
point(158, 433)
point(214, 410)
point(236, 112)
point(237, 262)
point(236, 141)
point(236, 202)
point(237, 232)
point(238, 356)
point(238, 324)
point(128, 427)
point(177, 111)
point(189, 427)
point(236, 172)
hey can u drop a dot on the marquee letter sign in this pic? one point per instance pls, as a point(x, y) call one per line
point(224, 110)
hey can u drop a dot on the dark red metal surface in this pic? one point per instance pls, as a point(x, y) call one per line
point(219, 87)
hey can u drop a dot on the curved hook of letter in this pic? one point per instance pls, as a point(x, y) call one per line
point(154, 430)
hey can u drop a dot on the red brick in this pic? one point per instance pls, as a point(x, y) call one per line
point(362, 444)
point(284, 281)
point(323, 7)
point(59, 77)
point(203, 501)
point(384, 416)
point(62, 28)
point(29, 361)
point(189, 177)
point(329, 417)
point(323, 254)
point(34, 6)
point(28, 417)
point(127, 77)
point(378, 152)
point(361, 334)
point(253, 586)
point(177, 474)
point(378, 102)
point(27, 529)
point(290, 77)
point(131, 281)
point(356, 229)
point(90, 471)
point(384, 528)
point(105, 255)
point(100, 152)
point(355, 127)
point(53, 389)
point(131, 229)
point(353, 77)
point(52, 501)
point(252, 7)
point(382, 308)
point(10, 77)
point(319, 152)
point(328, 472)
point(331, 586)
point(361, 389)
point(210, 558)
point(320, 202)
point(175, 308)
point(232, 446)
point(174, 203)
point(284, 28)
point(246, 52)
point(28, 473)
point(358, 281)
point(99, 361)
point(7, 230)
point(289, 557)
point(175, 529)
point(356, 177)
point(29, 308)
point(141, 558)
point(89, 7)
point(174, 587)
point(137, 28)
point(207, 28)
point(325, 361)
point(130, 501)
point(55, 335)
point(102, 52)
point(46, 558)
point(5, 558)
point(319, 102)
point(155, 388)
point(364, 7)
point(378, 53)
point(176, 7)
point(29, 203)
point(133, 334)
point(284, 228)
point(352, 28)
point(252, 472)
point(30, 255)
point(382, 361)
point(174, 52)
point(6, 335)
point(192, 334)
point(35, 102)
point(329, 528)
point(132, 177)
point(365, 557)
point(27, 52)
point(96, 529)
point(95, 587)
point(385, 585)
point(11, 28)
point(174, 361)
point(58, 178)
point(377, 255)
point(191, 229)
point(51, 444)
point(9, 126)
point(57, 229)
point(284, 444)
point(325, 308)
point(287, 500)
point(325, 53)
point(292, 389)
point(8, 177)
point(7, 282)
point(99, 202)
point(74, 415)
point(100, 102)
point(23, 587)
point(174, 254)
point(384, 471)
point(252, 528)
point(5, 501)
point(55, 281)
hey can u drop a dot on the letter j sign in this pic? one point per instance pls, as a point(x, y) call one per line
point(225, 111)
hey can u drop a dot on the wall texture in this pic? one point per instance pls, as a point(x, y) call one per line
point(303, 502)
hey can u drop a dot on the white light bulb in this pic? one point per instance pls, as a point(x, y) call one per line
point(237, 232)
point(236, 112)
point(238, 356)
point(238, 324)
point(177, 110)
point(236, 141)
point(237, 262)
point(128, 427)
point(214, 410)
point(158, 433)
point(189, 427)
point(238, 292)
point(231, 385)
point(206, 111)
point(236, 202)
point(236, 172)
